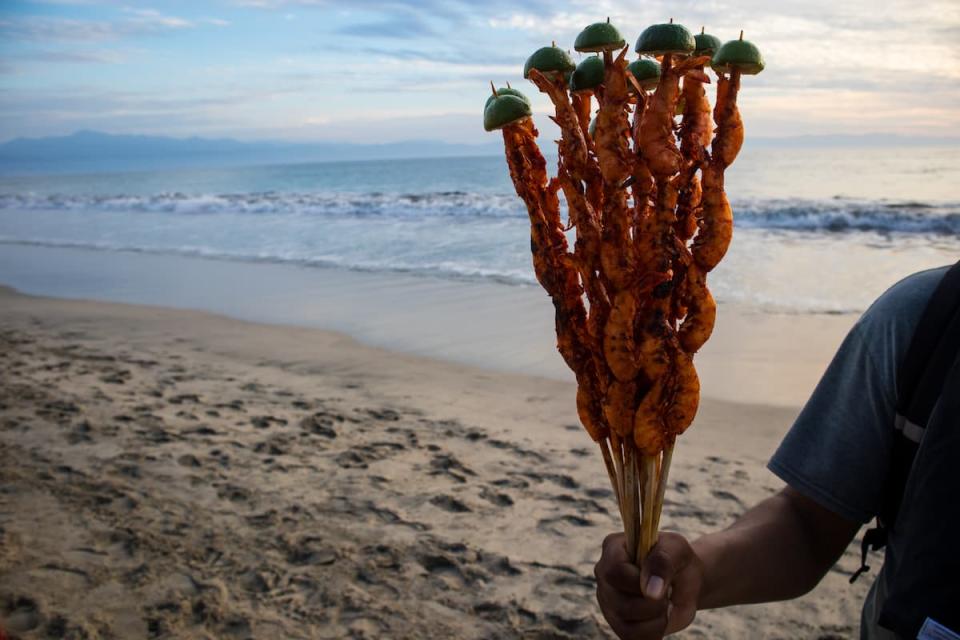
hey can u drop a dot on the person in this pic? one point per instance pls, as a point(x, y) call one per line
point(834, 461)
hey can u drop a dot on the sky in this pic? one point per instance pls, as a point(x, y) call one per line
point(371, 71)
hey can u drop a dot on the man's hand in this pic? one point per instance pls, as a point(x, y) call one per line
point(778, 550)
point(652, 602)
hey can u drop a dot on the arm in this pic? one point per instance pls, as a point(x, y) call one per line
point(777, 550)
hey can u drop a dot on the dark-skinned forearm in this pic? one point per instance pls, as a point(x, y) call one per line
point(779, 549)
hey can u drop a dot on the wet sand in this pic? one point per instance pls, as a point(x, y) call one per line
point(177, 474)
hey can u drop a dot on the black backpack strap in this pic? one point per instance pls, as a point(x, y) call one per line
point(920, 378)
point(921, 375)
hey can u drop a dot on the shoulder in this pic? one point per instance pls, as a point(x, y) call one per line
point(888, 325)
point(837, 450)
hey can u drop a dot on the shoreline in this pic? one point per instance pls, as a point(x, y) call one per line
point(753, 354)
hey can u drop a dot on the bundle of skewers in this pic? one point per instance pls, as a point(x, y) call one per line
point(643, 183)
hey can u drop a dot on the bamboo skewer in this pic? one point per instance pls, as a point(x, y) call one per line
point(611, 473)
point(631, 509)
point(637, 498)
point(647, 532)
point(663, 473)
point(618, 465)
point(594, 171)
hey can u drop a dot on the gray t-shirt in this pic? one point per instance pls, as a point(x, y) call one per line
point(838, 450)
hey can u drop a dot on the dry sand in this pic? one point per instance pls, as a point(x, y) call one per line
point(176, 474)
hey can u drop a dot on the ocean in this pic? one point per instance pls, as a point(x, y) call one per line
point(816, 230)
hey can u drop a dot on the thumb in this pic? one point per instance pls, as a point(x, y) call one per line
point(668, 557)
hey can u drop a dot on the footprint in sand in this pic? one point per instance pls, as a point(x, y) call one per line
point(233, 493)
point(383, 556)
point(495, 498)
point(351, 460)
point(583, 505)
point(498, 565)
point(188, 460)
point(116, 377)
point(236, 405)
point(571, 625)
point(309, 551)
point(21, 614)
point(512, 483)
point(321, 424)
point(444, 568)
point(516, 449)
point(447, 464)
point(80, 433)
point(264, 422)
point(490, 611)
point(276, 446)
point(725, 495)
point(559, 479)
point(383, 414)
point(449, 503)
point(554, 525)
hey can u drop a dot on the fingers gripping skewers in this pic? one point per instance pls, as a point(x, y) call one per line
point(646, 200)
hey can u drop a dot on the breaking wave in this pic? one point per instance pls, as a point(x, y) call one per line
point(828, 216)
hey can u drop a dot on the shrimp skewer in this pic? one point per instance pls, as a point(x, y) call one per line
point(701, 311)
point(716, 225)
point(553, 265)
point(646, 200)
point(574, 149)
point(696, 129)
point(577, 167)
point(666, 407)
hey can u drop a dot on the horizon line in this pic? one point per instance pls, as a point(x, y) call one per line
point(289, 141)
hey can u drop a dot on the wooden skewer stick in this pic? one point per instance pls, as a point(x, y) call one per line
point(627, 507)
point(618, 463)
point(644, 505)
point(662, 486)
point(638, 499)
point(611, 472)
point(630, 522)
point(647, 534)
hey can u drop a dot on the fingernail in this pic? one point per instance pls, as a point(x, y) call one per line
point(655, 587)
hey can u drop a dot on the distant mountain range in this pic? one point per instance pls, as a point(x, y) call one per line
point(93, 151)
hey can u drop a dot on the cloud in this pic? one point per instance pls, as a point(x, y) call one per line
point(832, 66)
point(280, 4)
point(41, 29)
point(70, 57)
point(150, 19)
point(458, 10)
point(405, 25)
point(450, 56)
point(69, 3)
point(136, 21)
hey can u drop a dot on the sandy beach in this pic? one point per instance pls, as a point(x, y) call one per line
point(281, 283)
point(178, 474)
